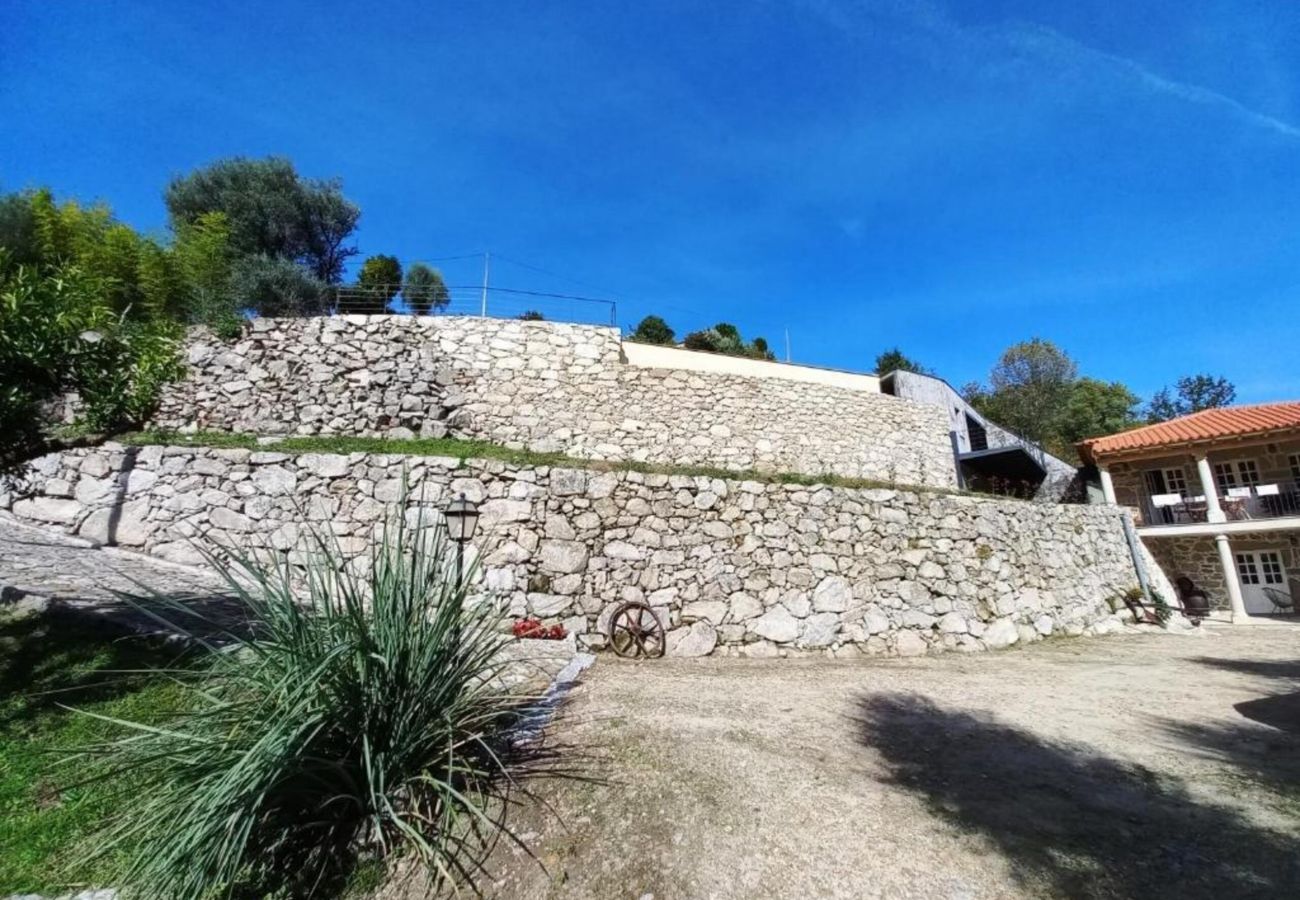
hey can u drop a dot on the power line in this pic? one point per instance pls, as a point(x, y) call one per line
point(450, 258)
point(554, 274)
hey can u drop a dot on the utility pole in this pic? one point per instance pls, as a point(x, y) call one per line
point(487, 261)
point(787, 345)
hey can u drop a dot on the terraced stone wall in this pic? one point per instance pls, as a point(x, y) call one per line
point(545, 386)
point(741, 567)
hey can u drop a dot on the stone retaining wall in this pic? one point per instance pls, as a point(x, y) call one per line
point(738, 566)
point(545, 386)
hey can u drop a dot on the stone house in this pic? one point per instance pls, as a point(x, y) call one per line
point(1216, 498)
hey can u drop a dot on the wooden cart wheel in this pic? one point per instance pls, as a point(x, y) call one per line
point(635, 632)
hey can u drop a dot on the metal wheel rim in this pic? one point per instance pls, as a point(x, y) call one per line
point(635, 632)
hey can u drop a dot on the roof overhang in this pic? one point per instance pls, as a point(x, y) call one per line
point(1174, 448)
point(1012, 461)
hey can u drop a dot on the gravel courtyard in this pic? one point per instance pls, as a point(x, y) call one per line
point(1127, 766)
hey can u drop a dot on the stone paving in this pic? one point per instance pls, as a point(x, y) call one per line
point(39, 568)
point(45, 564)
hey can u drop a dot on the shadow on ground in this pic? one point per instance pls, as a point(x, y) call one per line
point(68, 653)
point(1260, 739)
point(1069, 821)
point(1266, 668)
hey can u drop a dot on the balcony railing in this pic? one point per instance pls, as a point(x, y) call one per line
point(1263, 502)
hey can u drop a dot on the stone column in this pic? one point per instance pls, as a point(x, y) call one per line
point(1107, 485)
point(1214, 512)
point(1239, 614)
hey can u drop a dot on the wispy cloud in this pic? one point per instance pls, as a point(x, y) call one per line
point(1049, 47)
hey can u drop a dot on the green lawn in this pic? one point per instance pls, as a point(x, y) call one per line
point(49, 662)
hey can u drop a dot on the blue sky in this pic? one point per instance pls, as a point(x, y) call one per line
point(948, 177)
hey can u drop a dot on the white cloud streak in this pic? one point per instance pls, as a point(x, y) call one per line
point(1047, 46)
point(1048, 43)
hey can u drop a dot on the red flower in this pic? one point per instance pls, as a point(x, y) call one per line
point(528, 628)
point(533, 628)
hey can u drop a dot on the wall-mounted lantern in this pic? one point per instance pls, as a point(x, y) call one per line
point(461, 516)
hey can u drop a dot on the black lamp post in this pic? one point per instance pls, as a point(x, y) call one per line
point(461, 516)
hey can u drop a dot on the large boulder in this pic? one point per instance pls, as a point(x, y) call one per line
point(563, 557)
point(777, 625)
point(697, 639)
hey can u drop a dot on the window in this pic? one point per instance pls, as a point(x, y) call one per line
point(1167, 481)
point(1247, 570)
point(1248, 472)
point(1294, 459)
point(1241, 473)
point(1271, 564)
point(1224, 477)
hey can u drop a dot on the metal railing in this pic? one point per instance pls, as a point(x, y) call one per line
point(492, 302)
point(1188, 508)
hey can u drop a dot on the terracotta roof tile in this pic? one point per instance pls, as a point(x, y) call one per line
point(1207, 425)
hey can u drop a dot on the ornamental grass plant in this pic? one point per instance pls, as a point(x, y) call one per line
point(360, 718)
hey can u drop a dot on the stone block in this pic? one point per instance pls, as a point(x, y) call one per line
point(909, 643)
point(777, 625)
point(697, 639)
point(48, 509)
point(832, 594)
point(563, 557)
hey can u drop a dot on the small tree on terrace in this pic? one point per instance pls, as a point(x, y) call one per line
point(894, 360)
point(653, 330)
point(381, 276)
point(424, 290)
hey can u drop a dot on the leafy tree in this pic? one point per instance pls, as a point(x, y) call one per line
point(18, 228)
point(760, 349)
point(206, 264)
point(1035, 389)
point(271, 211)
point(653, 330)
point(424, 290)
point(1192, 393)
point(1029, 386)
point(728, 331)
point(381, 276)
point(1095, 408)
point(278, 287)
point(60, 333)
point(893, 360)
point(532, 315)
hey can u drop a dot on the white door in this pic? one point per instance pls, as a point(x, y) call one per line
point(1260, 571)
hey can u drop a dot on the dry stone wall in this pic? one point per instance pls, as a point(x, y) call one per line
point(545, 386)
point(741, 567)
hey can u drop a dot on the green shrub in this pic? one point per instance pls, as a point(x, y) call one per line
point(652, 330)
point(60, 333)
point(360, 721)
point(1163, 612)
point(424, 290)
point(725, 338)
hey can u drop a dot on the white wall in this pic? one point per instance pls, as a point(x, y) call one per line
point(655, 356)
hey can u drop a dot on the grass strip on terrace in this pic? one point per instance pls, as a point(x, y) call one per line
point(456, 448)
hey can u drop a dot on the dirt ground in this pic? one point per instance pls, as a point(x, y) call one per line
point(1126, 766)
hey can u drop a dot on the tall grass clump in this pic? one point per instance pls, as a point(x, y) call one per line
point(359, 718)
